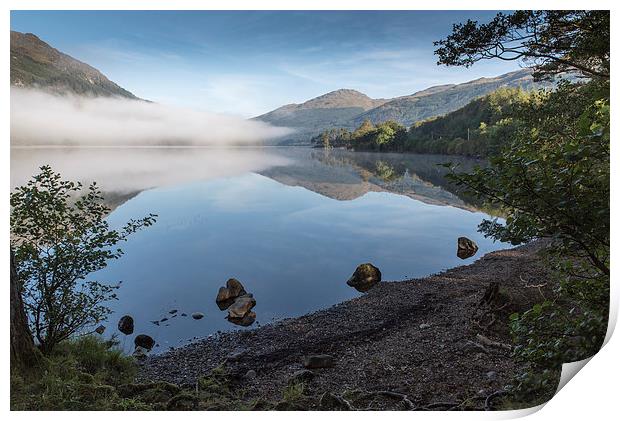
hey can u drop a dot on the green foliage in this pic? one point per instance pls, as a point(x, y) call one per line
point(60, 236)
point(481, 128)
point(385, 136)
point(553, 41)
point(79, 374)
point(551, 180)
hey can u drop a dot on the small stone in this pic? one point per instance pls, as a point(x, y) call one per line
point(425, 326)
point(251, 374)
point(466, 248)
point(144, 341)
point(197, 315)
point(140, 353)
point(165, 319)
point(365, 277)
point(125, 325)
point(100, 329)
point(318, 361)
point(330, 401)
point(300, 376)
point(492, 375)
point(173, 311)
point(183, 315)
point(236, 355)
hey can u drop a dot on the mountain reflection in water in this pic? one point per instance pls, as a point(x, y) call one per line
point(291, 224)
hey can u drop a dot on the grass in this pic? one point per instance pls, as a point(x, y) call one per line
point(81, 374)
point(90, 374)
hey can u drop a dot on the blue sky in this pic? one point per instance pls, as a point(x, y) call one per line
point(249, 62)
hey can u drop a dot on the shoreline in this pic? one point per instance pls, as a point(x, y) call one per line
point(432, 339)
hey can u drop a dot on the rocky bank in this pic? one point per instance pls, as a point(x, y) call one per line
point(440, 342)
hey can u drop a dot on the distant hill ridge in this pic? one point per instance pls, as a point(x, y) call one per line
point(36, 64)
point(348, 108)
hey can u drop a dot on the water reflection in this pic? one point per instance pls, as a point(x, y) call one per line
point(291, 224)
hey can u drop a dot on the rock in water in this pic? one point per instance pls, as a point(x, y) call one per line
point(197, 315)
point(125, 325)
point(245, 321)
point(144, 341)
point(318, 361)
point(100, 329)
point(235, 287)
point(227, 295)
point(365, 277)
point(466, 248)
point(241, 306)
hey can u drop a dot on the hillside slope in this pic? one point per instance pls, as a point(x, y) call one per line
point(347, 109)
point(441, 100)
point(36, 64)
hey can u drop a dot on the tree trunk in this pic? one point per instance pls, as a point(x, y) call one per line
point(23, 352)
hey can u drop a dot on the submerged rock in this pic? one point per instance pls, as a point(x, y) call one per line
point(318, 361)
point(100, 329)
point(466, 248)
point(125, 325)
point(197, 315)
point(144, 341)
point(365, 277)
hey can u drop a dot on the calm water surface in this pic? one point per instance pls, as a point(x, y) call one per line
point(291, 224)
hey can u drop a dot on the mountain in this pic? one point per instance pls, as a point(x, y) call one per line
point(443, 99)
point(334, 109)
point(36, 64)
point(348, 108)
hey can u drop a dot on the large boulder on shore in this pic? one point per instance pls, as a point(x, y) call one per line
point(227, 295)
point(144, 341)
point(125, 325)
point(466, 248)
point(365, 277)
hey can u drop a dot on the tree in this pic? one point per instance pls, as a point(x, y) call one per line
point(23, 352)
point(60, 236)
point(552, 41)
point(551, 178)
point(364, 128)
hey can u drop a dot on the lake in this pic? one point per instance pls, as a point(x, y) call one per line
point(291, 224)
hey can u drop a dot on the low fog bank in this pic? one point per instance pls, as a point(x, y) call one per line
point(40, 118)
point(123, 171)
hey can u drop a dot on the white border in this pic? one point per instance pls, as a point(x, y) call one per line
point(592, 394)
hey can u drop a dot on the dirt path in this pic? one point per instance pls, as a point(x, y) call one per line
point(418, 338)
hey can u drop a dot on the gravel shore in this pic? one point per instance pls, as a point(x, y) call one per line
point(430, 343)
